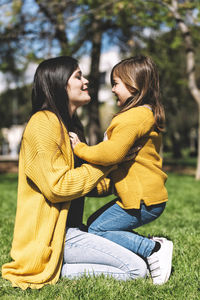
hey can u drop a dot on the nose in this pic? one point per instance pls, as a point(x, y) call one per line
point(113, 89)
point(85, 81)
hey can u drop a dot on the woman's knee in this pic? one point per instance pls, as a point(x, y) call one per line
point(139, 270)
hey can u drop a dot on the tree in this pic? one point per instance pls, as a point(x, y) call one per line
point(31, 35)
point(65, 27)
point(168, 53)
point(16, 109)
point(53, 23)
point(118, 19)
point(175, 7)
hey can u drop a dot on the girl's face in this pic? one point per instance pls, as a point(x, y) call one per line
point(77, 90)
point(120, 91)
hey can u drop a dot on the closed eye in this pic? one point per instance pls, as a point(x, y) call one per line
point(78, 75)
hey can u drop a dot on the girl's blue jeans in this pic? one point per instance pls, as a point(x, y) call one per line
point(116, 224)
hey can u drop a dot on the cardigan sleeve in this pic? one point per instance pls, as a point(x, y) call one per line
point(125, 132)
point(104, 188)
point(49, 166)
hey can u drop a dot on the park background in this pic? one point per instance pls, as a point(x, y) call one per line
point(99, 34)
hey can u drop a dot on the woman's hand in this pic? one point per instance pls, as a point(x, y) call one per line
point(74, 139)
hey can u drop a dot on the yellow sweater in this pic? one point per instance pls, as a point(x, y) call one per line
point(47, 184)
point(141, 179)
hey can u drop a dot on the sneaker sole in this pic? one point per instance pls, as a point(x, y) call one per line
point(170, 259)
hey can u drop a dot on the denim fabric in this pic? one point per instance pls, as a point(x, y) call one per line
point(116, 224)
point(89, 254)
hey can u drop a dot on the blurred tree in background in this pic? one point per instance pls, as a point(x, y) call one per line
point(15, 106)
point(181, 112)
point(34, 30)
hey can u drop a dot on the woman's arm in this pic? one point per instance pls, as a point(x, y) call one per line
point(50, 168)
point(104, 188)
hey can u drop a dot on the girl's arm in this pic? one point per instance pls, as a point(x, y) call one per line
point(114, 150)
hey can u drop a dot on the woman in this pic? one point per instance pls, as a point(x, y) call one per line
point(48, 240)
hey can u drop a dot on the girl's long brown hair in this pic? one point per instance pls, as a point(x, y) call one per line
point(140, 76)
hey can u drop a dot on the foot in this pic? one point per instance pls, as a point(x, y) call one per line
point(160, 262)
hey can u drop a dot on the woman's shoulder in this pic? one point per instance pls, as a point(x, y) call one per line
point(43, 118)
point(42, 121)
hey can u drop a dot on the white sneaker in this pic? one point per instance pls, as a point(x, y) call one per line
point(160, 262)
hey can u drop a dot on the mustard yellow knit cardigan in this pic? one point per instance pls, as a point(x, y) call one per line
point(47, 183)
point(142, 179)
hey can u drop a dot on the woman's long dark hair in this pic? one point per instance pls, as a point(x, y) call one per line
point(49, 91)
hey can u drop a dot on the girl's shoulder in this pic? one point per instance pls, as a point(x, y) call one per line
point(136, 117)
point(143, 110)
point(139, 112)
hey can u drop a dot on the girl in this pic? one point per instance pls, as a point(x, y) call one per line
point(48, 238)
point(140, 184)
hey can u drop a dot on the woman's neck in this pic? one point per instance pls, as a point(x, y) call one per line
point(72, 110)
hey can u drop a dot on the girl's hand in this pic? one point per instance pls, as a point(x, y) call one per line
point(74, 139)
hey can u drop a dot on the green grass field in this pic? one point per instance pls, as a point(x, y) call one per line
point(180, 223)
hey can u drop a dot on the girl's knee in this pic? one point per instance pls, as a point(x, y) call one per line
point(93, 230)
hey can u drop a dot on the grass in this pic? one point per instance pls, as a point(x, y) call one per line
point(185, 161)
point(179, 222)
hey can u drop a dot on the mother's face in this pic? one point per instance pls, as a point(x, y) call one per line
point(77, 90)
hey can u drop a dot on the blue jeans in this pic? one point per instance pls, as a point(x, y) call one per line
point(116, 224)
point(89, 254)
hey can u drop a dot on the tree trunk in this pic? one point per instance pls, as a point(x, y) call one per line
point(176, 148)
point(94, 130)
point(55, 16)
point(198, 147)
point(190, 62)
